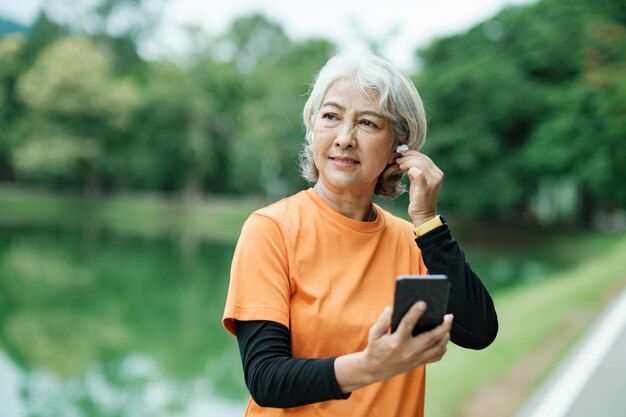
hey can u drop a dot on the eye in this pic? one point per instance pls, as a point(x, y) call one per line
point(329, 116)
point(369, 123)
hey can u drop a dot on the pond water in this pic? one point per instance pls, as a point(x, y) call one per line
point(99, 325)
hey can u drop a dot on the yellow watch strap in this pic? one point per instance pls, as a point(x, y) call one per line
point(431, 224)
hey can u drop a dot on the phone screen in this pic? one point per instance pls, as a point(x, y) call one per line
point(434, 290)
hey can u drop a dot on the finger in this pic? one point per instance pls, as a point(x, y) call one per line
point(415, 173)
point(428, 171)
point(408, 322)
point(417, 159)
point(443, 328)
point(413, 155)
point(446, 326)
point(433, 336)
point(407, 162)
point(436, 351)
point(419, 181)
point(425, 176)
point(433, 175)
point(381, 326)
point(425, 164)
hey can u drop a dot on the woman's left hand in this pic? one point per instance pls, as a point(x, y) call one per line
point(426, 181)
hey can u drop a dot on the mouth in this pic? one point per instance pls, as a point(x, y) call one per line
point(344, 160)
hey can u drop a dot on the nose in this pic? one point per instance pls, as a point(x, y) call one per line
point(346, 136)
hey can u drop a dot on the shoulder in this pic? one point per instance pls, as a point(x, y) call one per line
point(279, 215)
point(395, 223)
point(284, 207)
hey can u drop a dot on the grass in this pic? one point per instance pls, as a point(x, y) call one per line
point(150, 215)
point(530, 316)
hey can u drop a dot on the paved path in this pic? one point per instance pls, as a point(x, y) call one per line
point(591, 380)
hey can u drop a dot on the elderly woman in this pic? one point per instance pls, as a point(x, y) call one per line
point(313, 275)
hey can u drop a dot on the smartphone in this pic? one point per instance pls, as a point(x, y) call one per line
point(434, 290)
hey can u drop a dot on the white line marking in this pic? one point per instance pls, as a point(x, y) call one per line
point(565, 390)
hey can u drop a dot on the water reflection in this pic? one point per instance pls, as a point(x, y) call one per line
point(101, 325)
point(96, 324)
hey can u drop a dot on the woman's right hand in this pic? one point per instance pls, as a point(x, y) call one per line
point(390, 354)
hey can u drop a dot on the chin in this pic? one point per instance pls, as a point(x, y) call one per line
point(347, 184)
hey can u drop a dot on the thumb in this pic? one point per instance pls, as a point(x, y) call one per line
point(381, 327)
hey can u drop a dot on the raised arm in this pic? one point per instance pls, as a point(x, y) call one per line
point(475, 320)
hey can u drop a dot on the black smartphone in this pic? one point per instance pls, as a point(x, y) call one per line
point(432, 289)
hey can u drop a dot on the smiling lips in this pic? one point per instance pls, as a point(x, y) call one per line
point(344, 160)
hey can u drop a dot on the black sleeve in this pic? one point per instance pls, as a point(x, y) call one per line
point(276, 379)
point(475, 321)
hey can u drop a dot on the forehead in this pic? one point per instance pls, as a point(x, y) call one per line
point(347, 92)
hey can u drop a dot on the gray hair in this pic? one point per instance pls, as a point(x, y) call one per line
point(398, 100)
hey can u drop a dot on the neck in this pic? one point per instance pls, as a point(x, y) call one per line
point(354, 206)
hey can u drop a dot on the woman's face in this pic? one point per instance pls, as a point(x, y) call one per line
point(352, 141)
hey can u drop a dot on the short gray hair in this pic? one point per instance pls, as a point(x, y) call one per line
point(398, 100)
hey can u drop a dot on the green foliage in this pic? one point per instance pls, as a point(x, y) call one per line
point(10, 47)
point(76, 113)
point(277, 73)
point(585, 139)
point(532, 96)
point(43, 33)
point(72, 79)
point(480, 111)
point(185, 126)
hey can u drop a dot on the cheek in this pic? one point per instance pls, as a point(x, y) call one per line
point(382, 153)
point(317, 148)
point(321, 137)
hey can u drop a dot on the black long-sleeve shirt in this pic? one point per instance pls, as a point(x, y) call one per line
point(276, 379)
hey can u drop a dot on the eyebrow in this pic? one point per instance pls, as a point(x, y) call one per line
point(361, 113)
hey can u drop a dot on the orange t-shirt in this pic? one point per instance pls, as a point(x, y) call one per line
point(327, 278)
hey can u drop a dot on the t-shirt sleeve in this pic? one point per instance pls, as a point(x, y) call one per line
point(259, 277)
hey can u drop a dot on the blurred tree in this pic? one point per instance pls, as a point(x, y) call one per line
point(538, 88)
point(224, 121)
point(122, 25)
point(505, 102)
point(10, 49)
point(273, 131)
point(185, 125)
point(481, 109)
point(584, 140)
point(17, 54)
point(43, 33)
point(255, 39)
point(76, 119)
point(278, 72)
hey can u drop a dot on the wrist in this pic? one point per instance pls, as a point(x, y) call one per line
point(368, 369)
point(421, 219)
point(352, 371)
point(429, 225)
